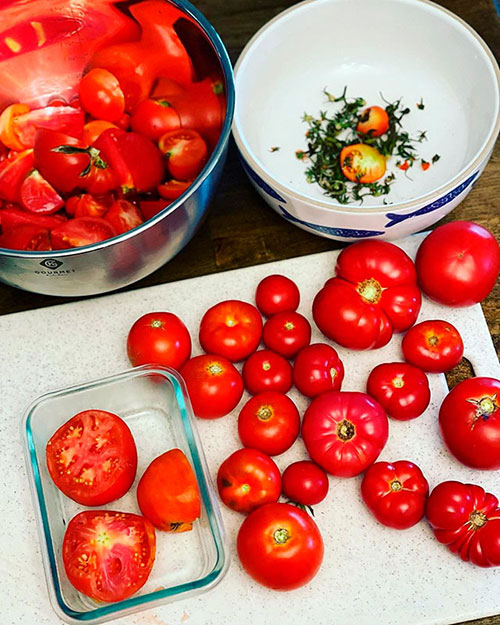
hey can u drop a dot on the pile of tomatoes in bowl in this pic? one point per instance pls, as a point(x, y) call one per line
point(376, 292)
point(80, 172)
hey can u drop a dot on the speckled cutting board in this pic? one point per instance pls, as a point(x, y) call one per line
point(371, 575)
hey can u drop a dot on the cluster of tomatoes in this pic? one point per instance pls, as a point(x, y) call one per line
point(108, 555)
point(80, 172)
point(376, 291)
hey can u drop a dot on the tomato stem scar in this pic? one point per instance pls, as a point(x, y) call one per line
point(398, 382)
point(477, 519)
point(264, 413)
point(345, 430)
point(370, 290)
point(281, 536)
point(395, 485)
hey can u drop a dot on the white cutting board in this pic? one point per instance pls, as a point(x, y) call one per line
point(371, 575)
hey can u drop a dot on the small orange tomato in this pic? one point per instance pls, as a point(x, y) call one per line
point(8, 135)
point(362, 163)
point(374, 121)
point(93, 130)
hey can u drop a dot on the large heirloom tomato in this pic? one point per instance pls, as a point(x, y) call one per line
point(401, 389)
point(231, 329)
point(92, 458)
point(247, 479)
point(280, 546)
point(374, 294)
point(344, 432)
point(108, 555)
point(168, 493)
point(467, 520)
point(395, 493)
point(458, 263)
point(469, 420)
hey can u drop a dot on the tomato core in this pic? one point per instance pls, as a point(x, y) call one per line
point(264, 413)
point(370, 290)
point(396, 485)
point(345, 430)
point(281, 536)
point(477, 519)
point(398, 382)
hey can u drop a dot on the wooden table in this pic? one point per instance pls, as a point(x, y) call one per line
point(241, 230)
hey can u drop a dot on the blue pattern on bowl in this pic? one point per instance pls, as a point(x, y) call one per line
point(334, 232)
point(261, 183)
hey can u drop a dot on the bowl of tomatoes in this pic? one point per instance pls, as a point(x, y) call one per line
point(112, 145)
point(374, 119)
point(127, 515)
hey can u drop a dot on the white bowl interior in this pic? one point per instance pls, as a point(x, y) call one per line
point(405, 49)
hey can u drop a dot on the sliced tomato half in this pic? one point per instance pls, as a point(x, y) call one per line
point(29, 237)
point(172, 189)
point(12, 216)
point(81, 231)
point(64, 119)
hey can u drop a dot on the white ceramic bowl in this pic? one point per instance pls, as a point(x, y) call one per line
point(409, 49)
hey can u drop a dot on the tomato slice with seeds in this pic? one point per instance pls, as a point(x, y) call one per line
point(38, 196)
point(123, 216)
point(362, 163)
point(172, 189)
point(108, 555)
point(186, 152)
point(92, 458)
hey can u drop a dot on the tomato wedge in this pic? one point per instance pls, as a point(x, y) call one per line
point(66, 119)
point(86, 205)
point(26, 236)
point(92, 457)
point(123, 216)
point(81, 231)
point(172, 189)
point(38, 196)
point(108, 555)
point(13, 171)
point(11, 217)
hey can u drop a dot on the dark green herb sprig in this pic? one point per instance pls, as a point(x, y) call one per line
point(328, 135)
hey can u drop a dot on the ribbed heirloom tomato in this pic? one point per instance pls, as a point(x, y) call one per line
point(344, 432)
point(469, 421)
point(466, 519)
point(373, 294)
point(395, 493)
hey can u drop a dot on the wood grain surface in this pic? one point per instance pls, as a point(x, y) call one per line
point(241, 230)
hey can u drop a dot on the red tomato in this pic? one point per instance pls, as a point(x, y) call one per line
point(86, 205)
point(280, 546)
point(13, 171)
point(469, 421)
point(38, 196)
point(166, 87)
point(62, 160)
point(80, 231)
point(275, 294)
point(362, 163)
point(94, 129)
point(101, 95)
point(269, 422)
point(316, 369)
point(108, 555)
point(266, 371)
point(123, 216)
point(12, 217)
point(373, 295)
point(65, 119)
point(435, 346)
point(458, 263)
point(186, 153)
point(373, 121)
point(153, 118)
point(159, 338)
point(467, 520)
point(92, 457)
point(26, 236)
point(143, 160)
point(232, 329)
point(214, 385)
point(286, 333)
point(8, 135)
point(304, 482)
point(109, 145)
point(168, 493)
point(247, 479)
point(101, 178)
point(401, 389)
point(344, 432)
point(395, 493)
point(172, 189)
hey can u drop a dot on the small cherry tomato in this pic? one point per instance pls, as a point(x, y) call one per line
point(232, 329)
point(247, 479)
point(101, 95)
point(362, 163)
point(186, 153)
point(159, 338)
point(305, 482)
point(395, 493)
point(373, 122)
point(214, 385)
point(469, 421)
point(317, 368)
point(269, 422)
point(434, 346)
point(153, 118)
point(286, 333)
point(280, 546)
point(276, 293)
point(266, 371)
point(401, 389)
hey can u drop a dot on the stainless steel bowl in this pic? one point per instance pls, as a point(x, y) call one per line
point(124, 259)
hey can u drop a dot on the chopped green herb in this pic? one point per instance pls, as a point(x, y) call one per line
point(421, 105)
point(435, 158)
point(274, 148)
